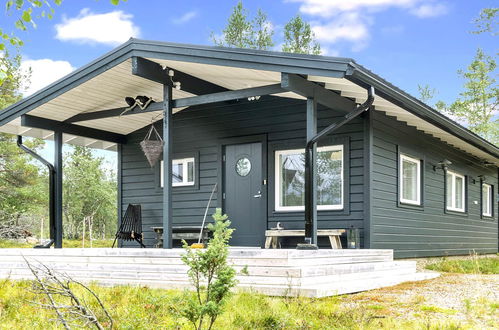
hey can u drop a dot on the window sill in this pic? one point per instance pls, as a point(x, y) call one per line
point(458, 213)
point(416, 207)
point(488, 217)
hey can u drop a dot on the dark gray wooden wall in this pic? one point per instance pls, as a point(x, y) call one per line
point(200, 130)
point(426, 231)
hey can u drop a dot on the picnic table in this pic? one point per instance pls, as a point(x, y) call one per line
point(272, 236)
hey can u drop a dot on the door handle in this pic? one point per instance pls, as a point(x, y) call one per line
point(258, 194)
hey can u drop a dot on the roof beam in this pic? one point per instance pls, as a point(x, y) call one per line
point(154, 71)
point(53, 125)
point(102, 114)
point(228, 96)
point(303, 87)
point(183, 102)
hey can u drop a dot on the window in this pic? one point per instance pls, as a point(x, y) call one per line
point(455, 190)
point(410, 180)
point(182, 172)
point(486, 200)
point(290, 179)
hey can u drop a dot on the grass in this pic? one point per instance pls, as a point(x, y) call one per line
point(146, 308)
point(471, 265)
point(67, 243)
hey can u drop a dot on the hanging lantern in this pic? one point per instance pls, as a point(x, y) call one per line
point(152, 146)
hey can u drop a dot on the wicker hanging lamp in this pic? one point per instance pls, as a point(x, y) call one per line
point(152, 145)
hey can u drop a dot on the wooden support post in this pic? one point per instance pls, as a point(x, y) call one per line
point(167, 166)
point(311, 176)
point(58, 188)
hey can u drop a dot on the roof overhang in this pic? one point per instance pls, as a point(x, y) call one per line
point(104, 83)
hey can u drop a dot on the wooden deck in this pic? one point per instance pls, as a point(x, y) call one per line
point(285, 272)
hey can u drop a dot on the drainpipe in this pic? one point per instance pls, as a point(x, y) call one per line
point(51, 170)
point(310, 220)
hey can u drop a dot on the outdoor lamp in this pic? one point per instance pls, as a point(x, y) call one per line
point(353, 238)
point(443, 164)
point(130, 101)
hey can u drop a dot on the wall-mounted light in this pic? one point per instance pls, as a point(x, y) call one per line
point(254, 98)
point(443, 164)
point(140, 100)
point(175, 84)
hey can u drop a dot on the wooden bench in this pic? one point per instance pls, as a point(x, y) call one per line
point(181, 233)
point(272, 236)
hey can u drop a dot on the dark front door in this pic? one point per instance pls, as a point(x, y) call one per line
point(244, 193)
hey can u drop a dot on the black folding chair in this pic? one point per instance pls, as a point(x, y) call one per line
point(131, 225)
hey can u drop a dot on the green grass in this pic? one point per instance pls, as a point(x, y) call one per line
point(146, 308)
point(67, 243)
point(472, 265)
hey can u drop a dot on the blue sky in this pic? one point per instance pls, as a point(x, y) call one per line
point(408, 42)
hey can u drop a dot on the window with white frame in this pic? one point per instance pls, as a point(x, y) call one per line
point(409, 180)
point(182, 172)
point(290, 179)
point(486, 200)
point(456, 191)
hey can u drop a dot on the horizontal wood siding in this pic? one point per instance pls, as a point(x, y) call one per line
point(428, 231)
point(200, 130)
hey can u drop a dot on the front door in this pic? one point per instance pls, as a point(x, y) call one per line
point(244, 193)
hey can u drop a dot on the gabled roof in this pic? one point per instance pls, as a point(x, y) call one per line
point(103, 83)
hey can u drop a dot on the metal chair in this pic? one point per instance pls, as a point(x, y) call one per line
point(131, 225)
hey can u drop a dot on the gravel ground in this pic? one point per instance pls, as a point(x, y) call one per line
point(469, 300)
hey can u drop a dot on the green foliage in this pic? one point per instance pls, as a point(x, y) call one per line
point(299, 37)
point(66, 243)
point(241, 32)
point(487, 21)
point(474, 265)
point(21, 183)
point(426, 93)
point(89, 195)
point(210, 274)
point(479, 100)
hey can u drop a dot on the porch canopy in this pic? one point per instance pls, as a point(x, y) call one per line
point(85, 107)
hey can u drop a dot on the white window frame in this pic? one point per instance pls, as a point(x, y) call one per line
point(184, 162)
point(453, 192)
point(416, 161)
point(277, 188)
point(489, 200)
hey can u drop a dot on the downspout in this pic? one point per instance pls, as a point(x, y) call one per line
point(51, 170)
point(310, 222)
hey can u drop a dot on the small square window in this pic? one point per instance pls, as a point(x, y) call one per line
point(410, 180)
point(182, 172)
point(487, 198)
point(455, 191)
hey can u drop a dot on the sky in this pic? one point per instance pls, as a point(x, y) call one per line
point(407, 42)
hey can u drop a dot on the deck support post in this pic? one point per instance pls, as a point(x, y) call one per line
point(311, 175)
point(167, 166)
point(58, 188)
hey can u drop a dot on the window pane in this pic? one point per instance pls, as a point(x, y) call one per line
point(177, 173)
point(292, 179)
point(409, 180)
point(329, 178)
point(459, 192)
point(190, 171)
point(486, 200)
point(448, 188)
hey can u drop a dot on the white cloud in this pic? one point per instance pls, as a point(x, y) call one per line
point(110, 28)
point(429, 10)
point(44, 72)
point(186, 17)
point(350, 20)
point(349, 26)
point(328, 8)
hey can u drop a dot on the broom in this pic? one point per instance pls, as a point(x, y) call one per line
point(200, 245)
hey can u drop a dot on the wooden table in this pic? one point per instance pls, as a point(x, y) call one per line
point(272, 236)
point(181, 233)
